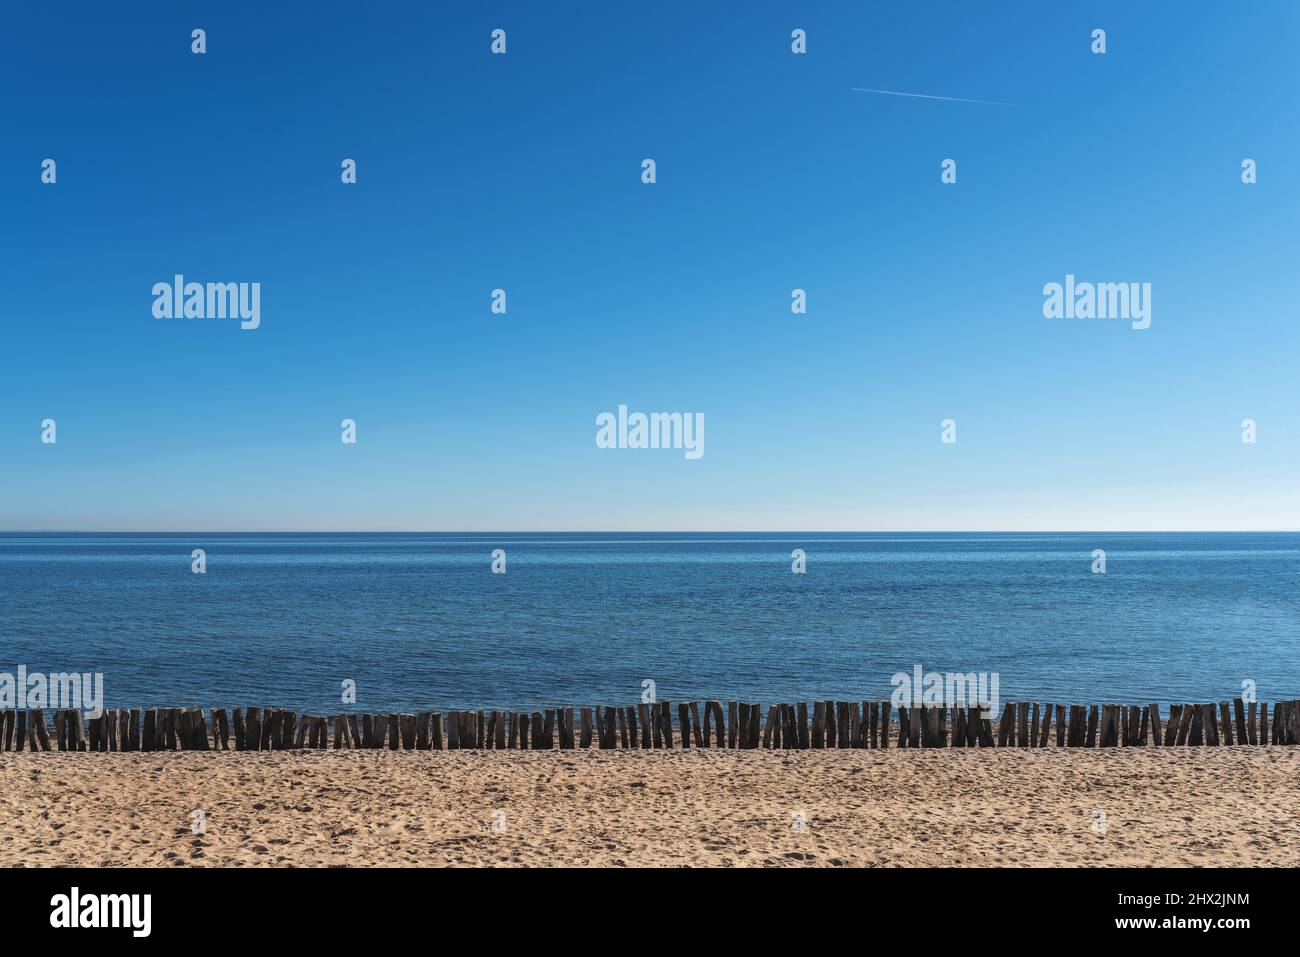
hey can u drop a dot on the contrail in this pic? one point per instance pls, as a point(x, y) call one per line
point(925, 96)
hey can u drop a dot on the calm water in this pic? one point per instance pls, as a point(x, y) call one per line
point(419, 621)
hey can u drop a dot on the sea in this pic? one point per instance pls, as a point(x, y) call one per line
point(422, 621)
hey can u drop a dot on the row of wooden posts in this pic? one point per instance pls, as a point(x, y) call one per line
point(828, 724)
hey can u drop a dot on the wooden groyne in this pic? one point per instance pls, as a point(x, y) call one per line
point(740, 725)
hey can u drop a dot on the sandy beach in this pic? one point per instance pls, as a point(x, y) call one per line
point(1227, 806)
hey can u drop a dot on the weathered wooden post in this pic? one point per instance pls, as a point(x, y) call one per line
point(719, 730)
point(789, 727)
point(133, 729)
point(270, 729)
point(1184, 724)
point(620, 714)
point(1074, 732)
point(1239, 712)
point(77, 730)
point(611, 729)
point(684, 724)
point(60, 729)
point(220, 729)
point(1171, 727)
point(1108, 730)
point(42, 732)
point(1196, 730)
point(200, 731)
point(253, 735)
point(666, 722)
point(1004, 728)
point(1225, 723)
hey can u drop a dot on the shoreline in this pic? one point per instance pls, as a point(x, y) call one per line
point(962, 807)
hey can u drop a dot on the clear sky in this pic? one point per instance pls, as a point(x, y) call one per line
point(523, 172)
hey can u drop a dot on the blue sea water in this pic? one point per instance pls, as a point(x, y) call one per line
point(419, 621)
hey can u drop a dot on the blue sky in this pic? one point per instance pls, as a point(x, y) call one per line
point(522, 172)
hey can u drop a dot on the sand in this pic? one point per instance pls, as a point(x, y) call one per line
point(1203, 806)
